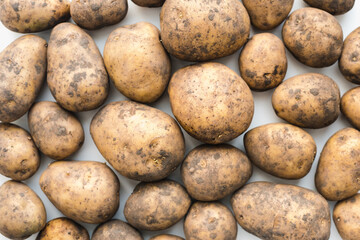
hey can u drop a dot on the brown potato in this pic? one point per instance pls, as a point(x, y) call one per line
point(166, 237)
point(280, 211)
point(89, 190)
point(308, 100)
point(350, 106)
point(116, 230)
point(157, 205)
point(203, 30)
point(149, 3)
point(263, 62)
point(212, 172)
point(22, 72)
point(137, 62)
point(335, 7)
point(211, 102)
point(313, 36)
point(338, 174)
point(76, 75)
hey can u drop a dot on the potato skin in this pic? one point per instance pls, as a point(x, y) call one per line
point(22, 73)
point(116, 230)
point(149, 3)
point(280, 211)
point(166, 237)
point(335, 7)
point(89, 190)
point(137, 62)
point(350, 106)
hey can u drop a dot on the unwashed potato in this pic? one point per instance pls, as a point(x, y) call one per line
point(149, 3)
point(22, 72)
point(137, 62)
point(157, 205)
point(350, 106)
point(279, 211)
point(84, 191)
point(338, 174)
point(76, 75)
point(313, 36)
point(166, 237)
point(308, 100)
point(203, 30)
point(116, 230)
point(211, 102)
point(335, 7)
point(57, 133)
point(263, 62)
point(22, 211)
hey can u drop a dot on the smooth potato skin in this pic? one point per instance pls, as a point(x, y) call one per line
point(335, 7)
point(149, 3)
point(350, 106)
point(116, 230)
point(166, 237)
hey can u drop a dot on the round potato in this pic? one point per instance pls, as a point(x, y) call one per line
point(116, 230)
point(137, 62)
point(149, 3)
point(313, 36)
point(166, 237)
point(350, 106)
point(263, 62)
point(203, 30)
point(211, 102)
point(335, 7)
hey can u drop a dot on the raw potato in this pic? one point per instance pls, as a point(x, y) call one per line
point(203, 30)
point(280, 211)
point(149, 3)
point(263, 62)
point(157, 205)
point(166, 237)
point(280, 149)
point(350, 106)
point(335, 7)
point(22, 211)
point(308, 100)
point(211, 102)
point(22, 73)
point(89, 190)
point(140, 142)
point(338, 174)
point(313, 36)
point(57, 133)
point(137, 62)
point(116, 230)
point(76, 76)
point(210, 220)
point(212, 172)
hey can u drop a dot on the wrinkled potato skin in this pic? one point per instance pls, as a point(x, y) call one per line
point(318, 46)
point(337, 175)
point(137, 62)
point(76, 76)
point(116, 230)
point(212, 172)
point(350, 106)
point(335, 7)
point(157, 205)
point(89, 190)
point(22, 211)
point(149, 3)
point(308, 100)
point(279, 211)
point(211, 102)
point(22, 73)
point(203, 30)
point(166, 237)
point(263, 62)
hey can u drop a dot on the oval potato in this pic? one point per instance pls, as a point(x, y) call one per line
point(350, 106)
point(149, 3)
point(166, 237)
point(116, 230)
point(335, 7)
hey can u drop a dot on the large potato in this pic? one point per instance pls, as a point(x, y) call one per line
point(166, 237)
point(279, 211)
point(22, 72)
point(116, 230)
point(350, 106)
point(211, 102)
point(335, 7)
point(149, 3)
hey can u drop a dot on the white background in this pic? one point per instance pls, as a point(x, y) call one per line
point(263, 114)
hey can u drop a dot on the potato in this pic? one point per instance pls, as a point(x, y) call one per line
point(280, 149)
point(149, 3)
point(140, 142)
point(28, 16)
point(22, 72)
point(263, 62)
point(335, 7)
point(313, 36)
point(137, 62)
point(116, 230)
point(95, 14)
point(89, 190)
point(211, 102)
point(338, 176)
point(210, 220)
point(166, 237)
point(308, 100)
point(212, 172)
point(22, 211)
point(350, 106)
point(76, 76)
point(281, 211)
point(57, 133)
point(157, 205)
point(203, 30)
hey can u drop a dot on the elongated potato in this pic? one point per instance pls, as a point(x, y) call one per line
point(166, 237)
point(335, 7)
point(116, 230)
point(350, 106)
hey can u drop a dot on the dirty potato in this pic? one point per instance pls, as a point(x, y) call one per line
point(350, 106)
point(166, 237)
point(149, 3)
point(335, 7)
point(116, 230)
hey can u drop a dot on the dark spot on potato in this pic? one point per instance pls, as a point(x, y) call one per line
point(211, 16)
point(314, 91)
point(15, 6)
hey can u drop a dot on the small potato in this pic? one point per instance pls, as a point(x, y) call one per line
point(116, 230)
point(166, 237)
point(157, 205)
point(313, 36)
point(149, 3)
point(211, 172)
point(350, 106)
point(308, 100)
point(22, 211)
point(263, 62)
point(210, 220)
point(335, 7)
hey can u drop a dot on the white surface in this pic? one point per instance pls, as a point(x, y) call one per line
point(263, 114)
